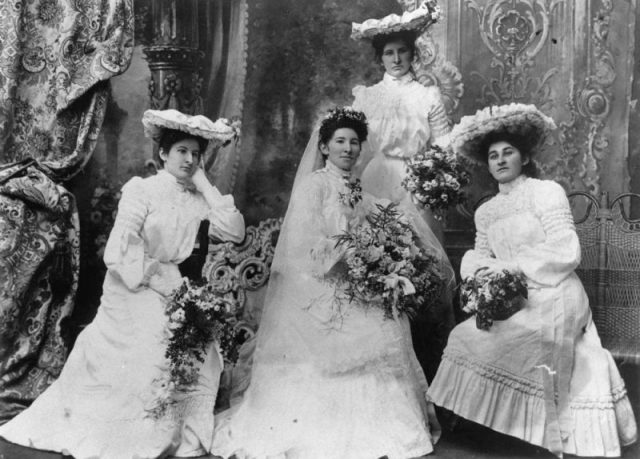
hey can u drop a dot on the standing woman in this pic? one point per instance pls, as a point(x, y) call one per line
point(404, 117)
point(101, 404)
point(541, 375)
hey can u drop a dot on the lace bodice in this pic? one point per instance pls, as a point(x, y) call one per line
point(403, 115)
point(529, 227)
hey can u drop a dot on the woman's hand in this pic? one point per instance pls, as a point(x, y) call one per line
point(200, 180)
point(497, 267)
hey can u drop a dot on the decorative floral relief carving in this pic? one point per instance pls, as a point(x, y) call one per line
point(238, 268)
point(583, 138)
point(514, 31)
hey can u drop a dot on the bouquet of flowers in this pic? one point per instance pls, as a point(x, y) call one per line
point(492, 296)
point(436, 178)
point(197, 316)
point(386, 268)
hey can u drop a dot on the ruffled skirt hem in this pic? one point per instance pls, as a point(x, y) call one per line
point(503, 403)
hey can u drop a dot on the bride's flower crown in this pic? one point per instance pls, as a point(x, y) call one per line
point(340, 114)
point(344, 117)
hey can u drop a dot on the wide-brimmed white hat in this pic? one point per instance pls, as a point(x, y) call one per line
point(522, 120)
point(156, 121)
point(417, 21)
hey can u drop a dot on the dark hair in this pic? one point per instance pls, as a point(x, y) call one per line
point(339, 118)
point(408, 37)
point(525, 145)
point(170, 136)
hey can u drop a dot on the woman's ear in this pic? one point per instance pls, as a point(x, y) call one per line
point(323, 149)
point(526, 160)
point(162, 154)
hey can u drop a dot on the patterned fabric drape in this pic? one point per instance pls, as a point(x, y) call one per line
point(56, 57)
point(39, 259)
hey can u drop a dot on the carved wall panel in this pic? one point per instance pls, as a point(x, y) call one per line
point(566, 58)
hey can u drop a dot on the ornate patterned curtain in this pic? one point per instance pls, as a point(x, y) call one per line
point(56, 58)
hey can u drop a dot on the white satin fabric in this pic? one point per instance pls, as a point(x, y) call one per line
point(542, 375)
point(98, 408)
point(329, 380)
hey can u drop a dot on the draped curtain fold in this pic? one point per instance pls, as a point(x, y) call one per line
point(226, 51)
point(56, 59)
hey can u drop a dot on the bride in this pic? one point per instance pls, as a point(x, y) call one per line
point(328, 381)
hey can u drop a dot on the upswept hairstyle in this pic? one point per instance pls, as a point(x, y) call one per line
point(343, 117)
point(525, 145)
point(408, 37)
point(170, 136)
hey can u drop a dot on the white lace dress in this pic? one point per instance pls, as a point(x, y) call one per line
point(403, 117)
point(98, 408)
point(542, 375)
point(328, 381)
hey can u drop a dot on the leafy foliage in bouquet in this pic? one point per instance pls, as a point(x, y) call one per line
point(198, 315)
point(386, 267)
point(436, 178)
point(493, 296)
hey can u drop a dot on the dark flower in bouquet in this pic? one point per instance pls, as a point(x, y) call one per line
point(198, 316)
point(386, 267)
point(493, 296)
point(436, 178)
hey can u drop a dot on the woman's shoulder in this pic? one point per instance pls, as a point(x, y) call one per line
point(547, 193)
point(135, 184)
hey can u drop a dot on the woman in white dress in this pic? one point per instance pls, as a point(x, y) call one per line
point(541, 375)
point(404, 118)
point(100, 405)
point(329, 380)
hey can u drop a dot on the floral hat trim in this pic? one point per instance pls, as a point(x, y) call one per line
point(417, 20)
point(156, 121)
point(517, 119)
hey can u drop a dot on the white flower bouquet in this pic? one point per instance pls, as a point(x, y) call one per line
point(493, 296)
point(197, 316)
point(436, 178)
point(386, 267)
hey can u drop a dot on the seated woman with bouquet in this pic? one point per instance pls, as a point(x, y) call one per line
point(537, 370)
point(335, 375)
point(104, 405)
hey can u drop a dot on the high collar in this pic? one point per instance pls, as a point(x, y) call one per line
point(167, 177)
point(399, 81)
point(336, 171)
point(506, 188)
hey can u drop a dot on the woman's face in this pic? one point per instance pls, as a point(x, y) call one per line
point(343, 148)
point(505, 161)
point(182, 159)
point(396, 58)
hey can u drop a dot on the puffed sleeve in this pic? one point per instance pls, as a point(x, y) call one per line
point(124, 253)
point(548, 263)
point(225, 220)
point(481, 255)
point(437, 115)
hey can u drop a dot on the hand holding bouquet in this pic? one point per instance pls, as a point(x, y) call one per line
point(436, 177)
point(492, 295)
point(386, 268)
